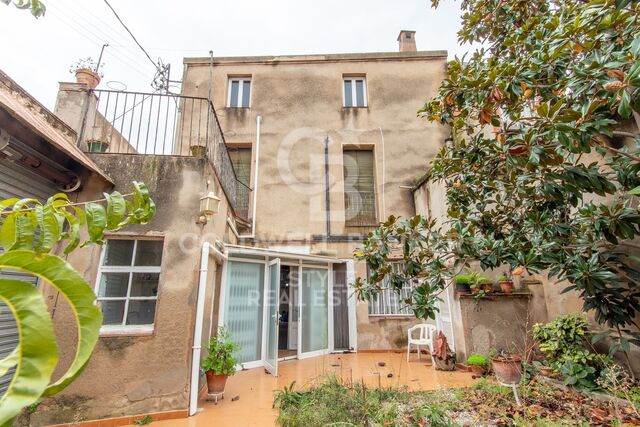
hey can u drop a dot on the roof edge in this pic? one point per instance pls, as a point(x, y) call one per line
point(333, 57)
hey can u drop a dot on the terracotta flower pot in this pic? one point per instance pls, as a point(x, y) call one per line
point(88, 77)
point(477, 371)
point(487, 287)
point(506, 286)
point(216, 383)
point(507, 368)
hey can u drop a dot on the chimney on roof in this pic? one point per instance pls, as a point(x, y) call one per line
point(407, 41)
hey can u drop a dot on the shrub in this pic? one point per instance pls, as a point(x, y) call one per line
point(478, 360)
point(564, 336)
point(220, 357)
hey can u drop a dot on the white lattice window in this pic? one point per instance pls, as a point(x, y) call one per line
point(127, 285)
point(389, 302)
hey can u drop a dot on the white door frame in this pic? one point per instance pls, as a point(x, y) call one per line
point(327, 350)
point(327, 263)
point(267, 318)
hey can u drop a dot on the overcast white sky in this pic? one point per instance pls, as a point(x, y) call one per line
point(38, 53)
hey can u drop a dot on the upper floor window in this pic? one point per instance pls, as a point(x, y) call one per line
point(239, 93)
point(355, 92)
point(127, 287)
point(359, 188)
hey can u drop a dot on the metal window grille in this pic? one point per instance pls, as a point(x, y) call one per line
point(389, 302)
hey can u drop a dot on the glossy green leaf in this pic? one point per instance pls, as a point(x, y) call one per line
point(79, 295)
point(37, 355)
point(116, 210)
point(96, 217)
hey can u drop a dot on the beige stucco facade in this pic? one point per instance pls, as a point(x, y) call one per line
point(299, 102)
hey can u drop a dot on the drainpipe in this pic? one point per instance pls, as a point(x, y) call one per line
point(326, 184)
point(384, 204)
point(207, 249)
point(255, 183)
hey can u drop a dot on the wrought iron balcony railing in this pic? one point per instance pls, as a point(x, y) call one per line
point(159, 124)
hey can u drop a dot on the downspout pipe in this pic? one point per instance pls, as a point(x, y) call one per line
point(327, 198)
point(254, 203)
point(207, 250)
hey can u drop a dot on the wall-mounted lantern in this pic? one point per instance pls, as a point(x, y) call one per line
point(209, 206)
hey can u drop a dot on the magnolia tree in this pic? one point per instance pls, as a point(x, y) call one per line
point(544, 159)
point(36, 7)
point(29, 232)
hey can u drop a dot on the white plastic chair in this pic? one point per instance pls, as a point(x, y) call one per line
point(426, 334)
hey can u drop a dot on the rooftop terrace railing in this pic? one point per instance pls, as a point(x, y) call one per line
point(164, 124)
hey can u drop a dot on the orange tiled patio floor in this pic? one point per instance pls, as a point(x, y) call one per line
point(254, 387)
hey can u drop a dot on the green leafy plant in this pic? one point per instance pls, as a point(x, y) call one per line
point(578, 376)
point(504, 278)
point(564, 335)
point(29, 231)
point(464, 279)
point(36, 7)
point(478, 360)
point(433, 414)
point(220, 357)
point(144, 421)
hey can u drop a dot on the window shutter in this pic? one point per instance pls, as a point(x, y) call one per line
point(359, 188)
point(241, 160)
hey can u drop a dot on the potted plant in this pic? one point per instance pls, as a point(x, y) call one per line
point(198, 150)
point(506, 284)
point(507, 367)
point(87, 72)
point(220, 362)
point(485, 283)
point(478, 364)
point(97, 146)
point(463, 283)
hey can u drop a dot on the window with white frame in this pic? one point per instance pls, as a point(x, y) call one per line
point(388, 302)
point(355, 92)
point(127, 286)
point(239, 92)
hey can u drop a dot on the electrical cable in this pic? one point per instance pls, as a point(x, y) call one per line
point(132, 36)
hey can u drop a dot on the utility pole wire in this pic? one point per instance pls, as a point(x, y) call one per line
point(132, 36)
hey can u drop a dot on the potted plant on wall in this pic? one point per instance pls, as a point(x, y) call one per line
point(478, 364)
point(87, 71)
point(506, 283)
point(199, 149)
point(463, 283)
point(484, 284)
point(220, 363)
point(97, 146)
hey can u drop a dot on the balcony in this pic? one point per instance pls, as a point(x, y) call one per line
point(164, 124)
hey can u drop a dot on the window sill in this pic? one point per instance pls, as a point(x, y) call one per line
point(107, 332)
point(360, 225)
point(355, 108)
point(391, 316)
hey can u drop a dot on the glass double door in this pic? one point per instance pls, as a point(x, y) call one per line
point(252, 310)
point(313, 311)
